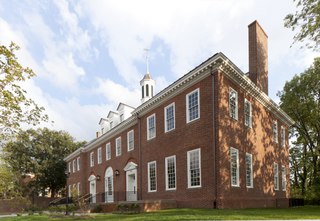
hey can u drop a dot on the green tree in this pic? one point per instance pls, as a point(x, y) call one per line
point(300, 99)
point(41, 152)
point(307, 19)
point(15, 107)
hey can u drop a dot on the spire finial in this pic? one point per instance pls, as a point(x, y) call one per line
point(147, 59)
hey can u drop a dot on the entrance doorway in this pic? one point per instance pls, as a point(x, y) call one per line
point(92, 188)
point(131, 182)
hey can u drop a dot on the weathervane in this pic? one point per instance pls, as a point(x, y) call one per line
point(147, 58)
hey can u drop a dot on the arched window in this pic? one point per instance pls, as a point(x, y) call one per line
point(147, 90)
point(142, 89)
point(108, 179)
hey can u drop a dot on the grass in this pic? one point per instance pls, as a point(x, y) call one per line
point(307, 212)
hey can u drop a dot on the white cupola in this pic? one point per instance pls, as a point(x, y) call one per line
point(147, 87)
point(147, 83)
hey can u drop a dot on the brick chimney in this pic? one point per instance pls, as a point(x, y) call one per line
point(258, 56)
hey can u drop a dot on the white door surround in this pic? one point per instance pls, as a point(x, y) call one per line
point(131, 181)
point(92, 188)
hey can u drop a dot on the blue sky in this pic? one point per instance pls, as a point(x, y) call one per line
point(89, 54)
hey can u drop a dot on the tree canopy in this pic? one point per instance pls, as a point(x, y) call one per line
point(15, 107)
point(300, 99)
point(307, 20)
point(40, 152)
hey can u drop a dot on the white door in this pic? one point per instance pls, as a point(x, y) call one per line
point(131, 176)
point(109, 189)
point(93, 191)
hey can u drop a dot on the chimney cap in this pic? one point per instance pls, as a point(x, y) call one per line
point(255, 22)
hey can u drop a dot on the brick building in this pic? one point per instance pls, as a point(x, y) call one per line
point(211, 139)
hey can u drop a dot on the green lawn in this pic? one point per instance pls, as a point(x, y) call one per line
point(308, 212)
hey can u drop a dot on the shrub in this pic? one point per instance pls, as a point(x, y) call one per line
point(97, 209)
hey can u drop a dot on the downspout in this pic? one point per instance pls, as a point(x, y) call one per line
point(215, 188)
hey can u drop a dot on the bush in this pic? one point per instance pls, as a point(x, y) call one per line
point(97, 209)
point(128, 208)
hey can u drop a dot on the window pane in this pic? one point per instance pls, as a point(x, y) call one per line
point(152, 177)
point(193, 106)
point(233, 99)
point(249, 174)
point(171, 173)
point(194, 168)
point(234, 167)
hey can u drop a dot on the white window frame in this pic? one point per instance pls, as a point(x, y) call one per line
point(187, 105)
point(149, 136)
point(276, 176)
point(69, 191)
point(130, 147)
point(118, 147)
point(108, 151)
point(236, 104)
point(78, 188)
point(73, 166)
point(166, 117)
point(189, 169)
point(283, 178)
point(149, 180)
point(175, 172)
point(99, 155)
point(282, 136)
point(237, 184)
point(275, 131)
point(249, 170)
point(78, 163)
point(69, 167)
point(91, 159)
point(249, 122)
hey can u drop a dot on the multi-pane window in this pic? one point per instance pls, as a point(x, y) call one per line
point(275, 131)
point(78, 164)
point(169, 113)
point(152, 176)
point(108, 151)
point(282, 137)
point(171, 173)
point(130, 140)
point(99, 156)
point(234, 166)
point(73, 166)
point(91, 159)
point(233, 103)
point(69, 167)
point(151, 126)
point(249, 172)
point(247, 113)
point(78, 189)
point(194, 168)
point(118, 146)
point(193, 105)
point(284, 178)
point(276, 176)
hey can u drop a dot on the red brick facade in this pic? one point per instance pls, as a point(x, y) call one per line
point(213, 133)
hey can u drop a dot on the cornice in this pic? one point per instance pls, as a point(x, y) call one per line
point(103, 138)
point(236, 75)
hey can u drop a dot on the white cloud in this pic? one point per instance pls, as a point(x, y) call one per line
point(116, 93)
